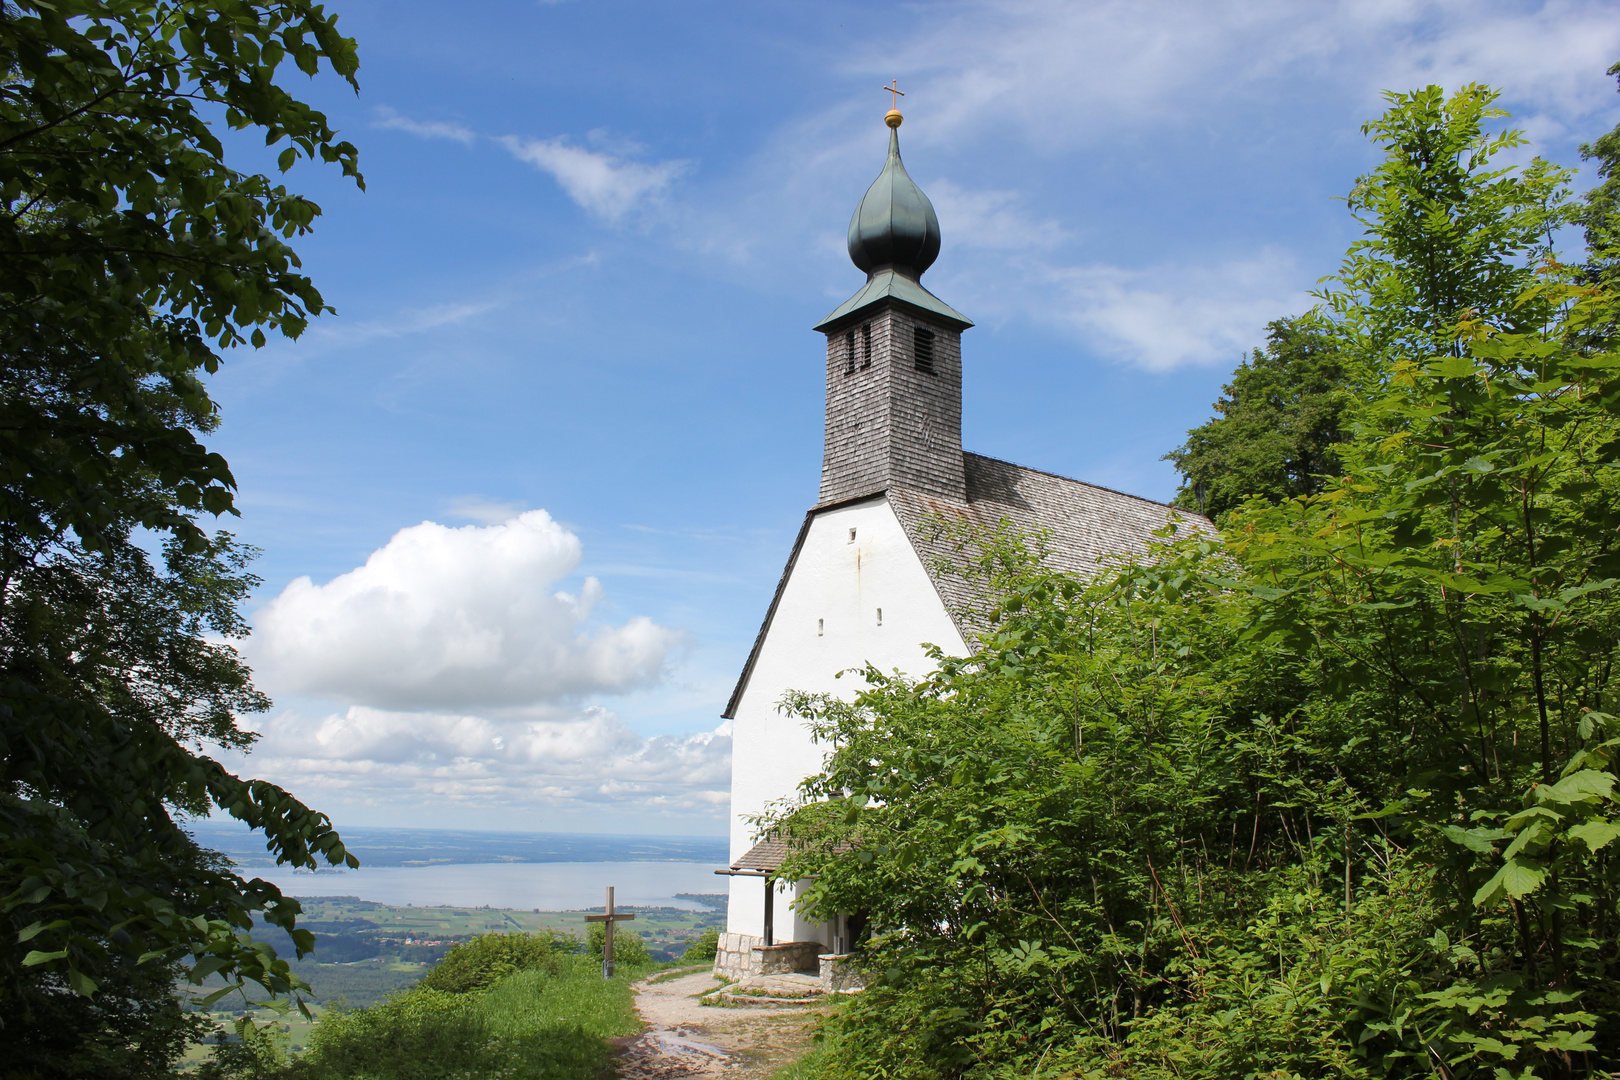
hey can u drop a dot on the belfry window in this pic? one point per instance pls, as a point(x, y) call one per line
point(922, 349)
point(866, 345)
point(849, 352)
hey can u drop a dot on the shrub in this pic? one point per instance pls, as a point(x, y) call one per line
point(422, 1034)
point(628, 948)
point(704, 948)
point(473, 965)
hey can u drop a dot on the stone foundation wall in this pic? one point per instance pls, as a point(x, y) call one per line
point(839, 976)
point(733, 956)
point(737, 956)
point(787, 957)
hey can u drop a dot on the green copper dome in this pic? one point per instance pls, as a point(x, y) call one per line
point(895, 227)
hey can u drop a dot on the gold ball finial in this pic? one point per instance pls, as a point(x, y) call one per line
point(893, 117)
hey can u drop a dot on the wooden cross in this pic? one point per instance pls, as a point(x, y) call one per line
point(895, 94)
point(609, 918)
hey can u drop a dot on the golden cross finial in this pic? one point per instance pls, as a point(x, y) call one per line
point(892, 117)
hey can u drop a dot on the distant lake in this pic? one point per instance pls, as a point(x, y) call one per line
point(549, 886)
point(377, 848)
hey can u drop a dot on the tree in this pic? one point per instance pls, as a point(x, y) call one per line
point(131, 257)
point(1278, 420)
point(1600, 217)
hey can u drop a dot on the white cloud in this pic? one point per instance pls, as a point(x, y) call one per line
point(1168, 317)
point(455, 618)
point(426, 129)
point(602, 182)
point(990, 219)
point(482, 510)
point(1065, 73)
point(569, 760)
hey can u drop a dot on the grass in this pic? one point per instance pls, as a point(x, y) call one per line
point(576, 997)
point(547, 1024)
point(804, 1068)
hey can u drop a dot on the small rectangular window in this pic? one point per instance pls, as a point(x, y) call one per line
point(852, 536)
point(866, 345)
point(849, 352)
point(821, 627)
point(880, 616)
point(922, 351)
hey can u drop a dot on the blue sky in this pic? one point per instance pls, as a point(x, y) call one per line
point(542, 469)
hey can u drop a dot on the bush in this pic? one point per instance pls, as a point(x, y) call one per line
point(422, 1034)
point(628, 948)
point(473, 965)
point(539, 1025)
point(704, 948)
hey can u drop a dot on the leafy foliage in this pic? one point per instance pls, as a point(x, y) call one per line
point(1600, 217)
point(474, 965)
point(628, 948)
point(129, 252)
point(549, 1023)
point(1333, 797)
point(133, 1027)
point(703, 948)
point(1278, 420)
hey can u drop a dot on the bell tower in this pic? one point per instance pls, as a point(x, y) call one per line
point(894, 353)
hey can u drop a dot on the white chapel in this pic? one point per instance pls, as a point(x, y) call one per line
point(860, 585)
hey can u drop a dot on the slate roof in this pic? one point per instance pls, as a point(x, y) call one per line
point(769, 853)
point(1082, 523)
point(766, 855)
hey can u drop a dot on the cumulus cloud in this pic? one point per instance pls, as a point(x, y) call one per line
point(427, 129)
point(540, 759)
point(456, 618)
point(600, 181)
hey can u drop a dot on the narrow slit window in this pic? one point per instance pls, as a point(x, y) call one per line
point(880, 616)
point(849, 352)
point(922, 349)
point(821, 627)
point(866, 345)
point(852, 536)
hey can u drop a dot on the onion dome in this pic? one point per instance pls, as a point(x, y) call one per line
point(895, 227)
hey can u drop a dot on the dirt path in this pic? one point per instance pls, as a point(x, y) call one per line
point(685, 1038)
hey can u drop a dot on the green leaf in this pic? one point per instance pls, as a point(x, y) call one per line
point(1517, 878)
point(1474, 839)
point(208, 1001)
point(206, 967)
point(1595, 834)
point(35, 957)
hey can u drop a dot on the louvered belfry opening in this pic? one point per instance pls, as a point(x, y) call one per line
point(922, 349)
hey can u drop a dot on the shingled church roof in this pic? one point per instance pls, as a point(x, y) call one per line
point(1081, 522)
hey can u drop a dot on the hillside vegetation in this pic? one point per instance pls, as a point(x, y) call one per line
point(500, 1005)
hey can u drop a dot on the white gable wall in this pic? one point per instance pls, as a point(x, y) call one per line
point(825, 621)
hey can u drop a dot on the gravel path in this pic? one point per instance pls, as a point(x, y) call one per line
point(687, 1039)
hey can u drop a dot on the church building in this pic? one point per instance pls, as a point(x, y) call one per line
point(861, 584)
